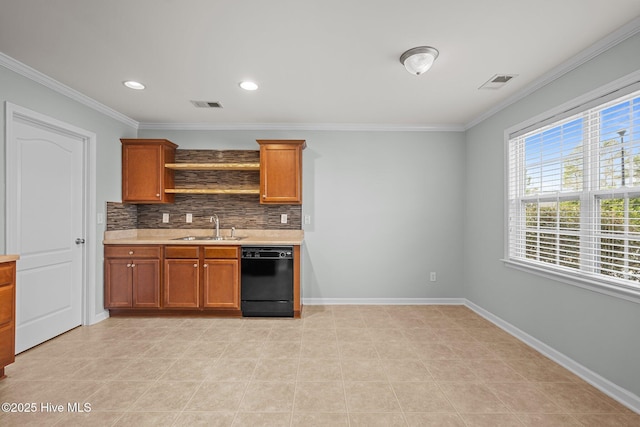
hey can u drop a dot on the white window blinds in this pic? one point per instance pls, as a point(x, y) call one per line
point(574, 193)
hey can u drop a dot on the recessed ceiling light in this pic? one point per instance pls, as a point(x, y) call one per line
point(133, 85)
point(248, 85)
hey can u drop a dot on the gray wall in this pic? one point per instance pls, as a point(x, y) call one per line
point(26, 93)
point(386, 208)
point(598, 331)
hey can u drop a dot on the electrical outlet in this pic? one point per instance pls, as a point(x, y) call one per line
point(283, 218)
point(432, 276)
point(189, 218)
point(307, 219)
point(100, 218)
point(165, 218)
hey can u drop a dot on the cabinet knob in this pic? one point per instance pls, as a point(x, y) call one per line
point(157, 194)
point(130, 252)
point(195, 265)
point(133, 265)
point(264, 196)
point(128, 265)
point(206, 265)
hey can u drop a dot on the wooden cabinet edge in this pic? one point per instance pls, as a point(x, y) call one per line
point(149, 141)
point(297, 301)
point(301, 142)
point(10, 326)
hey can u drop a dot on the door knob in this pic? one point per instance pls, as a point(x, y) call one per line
point(79, 241)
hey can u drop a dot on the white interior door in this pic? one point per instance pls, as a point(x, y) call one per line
point(45, 180)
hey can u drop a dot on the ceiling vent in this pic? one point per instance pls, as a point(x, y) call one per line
point(206, 104)
point(498, 81)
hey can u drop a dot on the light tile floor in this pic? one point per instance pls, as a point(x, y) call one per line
point(338, 365)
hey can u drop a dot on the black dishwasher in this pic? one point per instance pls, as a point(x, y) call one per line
point(266, 281)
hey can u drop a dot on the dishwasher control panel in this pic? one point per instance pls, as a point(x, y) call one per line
point(284, 252)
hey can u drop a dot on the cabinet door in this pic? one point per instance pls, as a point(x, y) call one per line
point(280, 173)
point(146, 283)
point(144, 176)
point(7, 345)
point(141, 173)
point(118, 284)
point(221, 283)
point(181, 283)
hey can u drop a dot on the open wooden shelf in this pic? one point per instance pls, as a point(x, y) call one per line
point(214, 166)
point(212, 190)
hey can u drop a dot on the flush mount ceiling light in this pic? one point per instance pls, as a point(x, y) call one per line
point(419, 59)
point(246, 85)
point(133, 85)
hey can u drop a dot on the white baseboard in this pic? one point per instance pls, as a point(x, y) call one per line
point(383, 301)
point(612, 390)
point(99, 317)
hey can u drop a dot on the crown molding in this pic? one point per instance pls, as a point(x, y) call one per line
point(38, 77)
point(621, 34)
point(349, 127)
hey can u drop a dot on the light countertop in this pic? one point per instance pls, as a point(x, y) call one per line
point(167, 236)
point(9, 258)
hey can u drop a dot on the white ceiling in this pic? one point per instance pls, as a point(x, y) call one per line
point(316, 61)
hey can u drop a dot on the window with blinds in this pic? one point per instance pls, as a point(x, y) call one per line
point(574, 194)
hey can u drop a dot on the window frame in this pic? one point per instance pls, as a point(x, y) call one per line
point(588, 199)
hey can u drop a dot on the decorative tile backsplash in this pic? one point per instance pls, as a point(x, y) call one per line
point(233, 210)
point(242, 211)
point(121, 216)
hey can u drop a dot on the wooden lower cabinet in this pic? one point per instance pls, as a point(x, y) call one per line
point(181, 283)
point(221, 278)
point(202, 277)
point(151, 279)
point(132, 276)
point(7, 314)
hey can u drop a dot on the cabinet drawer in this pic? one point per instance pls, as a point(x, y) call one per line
point(132, 251)
point(6, 304)
point(221, 252)
point(181, 252)
point(6, 273)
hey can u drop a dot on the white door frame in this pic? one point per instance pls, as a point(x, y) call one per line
point(14, 112)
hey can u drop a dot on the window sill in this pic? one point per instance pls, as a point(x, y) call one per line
point(588, 283)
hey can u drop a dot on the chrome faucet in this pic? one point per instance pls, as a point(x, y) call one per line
point(214, 218)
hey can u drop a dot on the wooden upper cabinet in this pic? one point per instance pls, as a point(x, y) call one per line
point(281, 171)
point(144, 177)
